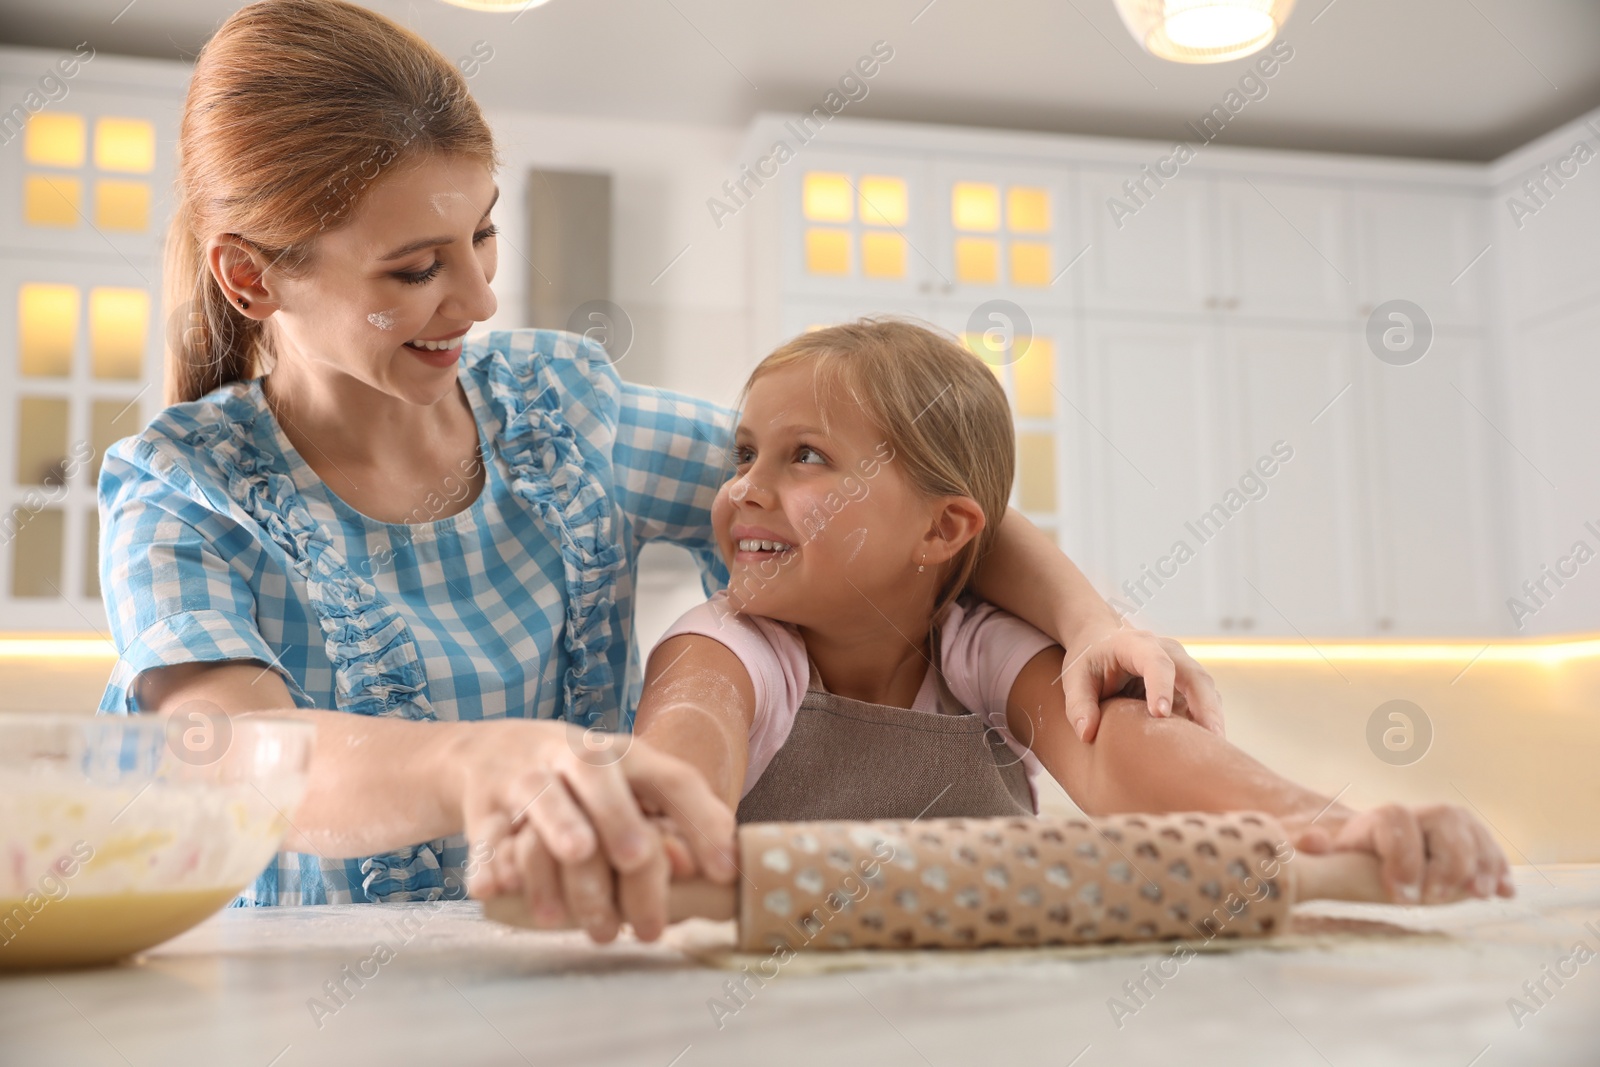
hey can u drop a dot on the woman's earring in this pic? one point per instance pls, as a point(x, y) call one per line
point(924, 560)
point(243, 302)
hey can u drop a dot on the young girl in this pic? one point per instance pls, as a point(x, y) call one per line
point(845, 674)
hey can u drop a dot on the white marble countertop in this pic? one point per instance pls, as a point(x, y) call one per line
point(250, 987)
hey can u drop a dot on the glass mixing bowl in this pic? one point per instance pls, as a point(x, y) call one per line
point(119, 832)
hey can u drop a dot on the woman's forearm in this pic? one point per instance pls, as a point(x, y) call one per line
point(1026, 574)
point(374, 784)
point(1140, 763)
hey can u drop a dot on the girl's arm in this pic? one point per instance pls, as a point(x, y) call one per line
point(1144, 764)
point(1027, 575)
point(698, 704)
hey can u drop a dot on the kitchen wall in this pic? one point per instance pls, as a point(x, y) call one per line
point(688, 313)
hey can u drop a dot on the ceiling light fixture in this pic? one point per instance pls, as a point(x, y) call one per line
point(1203, 31)
point(496, 5)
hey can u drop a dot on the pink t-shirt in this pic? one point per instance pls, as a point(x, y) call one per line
point(982, 650)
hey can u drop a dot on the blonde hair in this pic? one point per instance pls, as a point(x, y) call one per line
point(295, 107)
point(939, 406)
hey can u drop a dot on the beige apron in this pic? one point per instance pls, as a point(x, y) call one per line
point(849, 759)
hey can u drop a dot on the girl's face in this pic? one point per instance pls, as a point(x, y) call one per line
point(413, 262)
point(816, 477)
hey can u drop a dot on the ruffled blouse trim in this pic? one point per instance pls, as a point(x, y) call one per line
point(548, 473)
point(377, 666)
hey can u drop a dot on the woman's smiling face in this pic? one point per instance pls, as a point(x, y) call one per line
point(414, 262)
point(814, 475)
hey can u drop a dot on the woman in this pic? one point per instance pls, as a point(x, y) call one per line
point(349, 509)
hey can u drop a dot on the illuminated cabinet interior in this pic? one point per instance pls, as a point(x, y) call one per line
point(85, 187)
point(854, 225)
point(1154, 353)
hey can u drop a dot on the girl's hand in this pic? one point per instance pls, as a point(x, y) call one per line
point(569, 824)
point(1430, 854)
point(1127, 661)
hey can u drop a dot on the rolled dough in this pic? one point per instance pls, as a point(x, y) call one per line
point(711, 944)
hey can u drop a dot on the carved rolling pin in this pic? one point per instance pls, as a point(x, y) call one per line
point(969, 883)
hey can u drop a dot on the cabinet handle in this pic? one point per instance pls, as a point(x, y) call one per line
point(1227, 624)
point(1385, 623)
point(1233, 303)
point(949, 287)
point(1247, 624)
point(1212, 303)
point(925, 287)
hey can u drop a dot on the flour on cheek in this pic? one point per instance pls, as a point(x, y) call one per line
point(383, 320)
point(860, 538)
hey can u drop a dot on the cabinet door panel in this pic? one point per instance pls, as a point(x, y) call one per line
point(857, 226)
point(1549, 233)
point(1421, 246)
point(91, 174)
point(1284, 249)
point(1153, 447)
point(1555, 363)
point(1004, 230)
point(1034, 359)
point(1156, 259)
point(1302, 566)
point(1430, 453)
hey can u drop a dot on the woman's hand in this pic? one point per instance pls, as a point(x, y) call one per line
point(1430, 854)
point(586, 832)
point(1106, 662)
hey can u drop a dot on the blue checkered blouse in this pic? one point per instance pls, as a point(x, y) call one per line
point(220, 543)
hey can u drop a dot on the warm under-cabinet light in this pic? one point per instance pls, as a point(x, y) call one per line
point(1552, 652)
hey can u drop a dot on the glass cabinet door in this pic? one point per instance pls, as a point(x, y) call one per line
point(89, 175)
point(857, 227)
point(1030, 356)
point(85, 365)
point(83, 207)
point(1006, 230)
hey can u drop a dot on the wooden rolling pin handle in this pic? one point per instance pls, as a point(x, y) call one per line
point(1337, 876)
point(698, 898)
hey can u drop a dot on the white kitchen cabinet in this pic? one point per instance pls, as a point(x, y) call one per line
point(1557, 366)
point(1552, 251)
point(84, 199)
point(1226, 466)
point(1283, 249)
point(1429, 454)
point(1427, 246)
point(1302, 561)
point(858, 227)
point(1158, 259)
point(1034, 360)
point(1004, 229)
point(1153, 448)
point(1202, 320)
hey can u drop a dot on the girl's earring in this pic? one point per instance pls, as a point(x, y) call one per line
point(924, 560)
point(243, 302)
